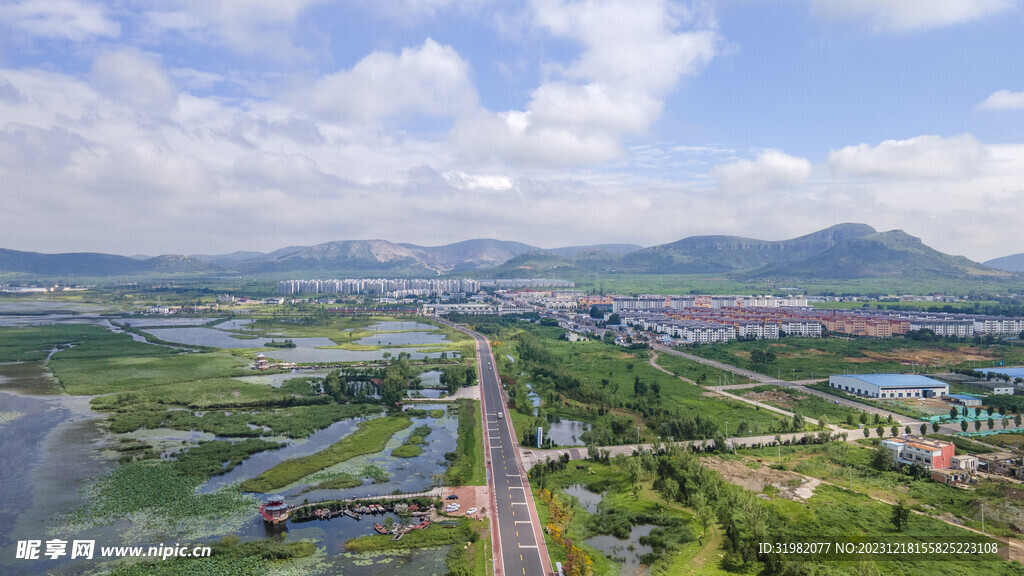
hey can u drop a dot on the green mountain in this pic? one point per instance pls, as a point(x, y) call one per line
point(842, 251)
point(721, 254)
point(91, 264)
point(892, 254)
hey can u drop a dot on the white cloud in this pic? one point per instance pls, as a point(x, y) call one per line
point(1003, 100)
point(430, 79)
point(908, 15)
point(491, 182)
point(137, 79)
point(71, 19)
point(770, 170)
point(633, 55)
point(920, 157)
point(251, 27)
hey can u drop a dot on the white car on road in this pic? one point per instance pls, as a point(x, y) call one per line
point(471, 511)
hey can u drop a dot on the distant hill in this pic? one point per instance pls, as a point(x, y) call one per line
point(1012, 263)
point(471, 254)
point(892, 254)
point(720, 254)
point(570, 251)
point(96, 264)
point(842, 251)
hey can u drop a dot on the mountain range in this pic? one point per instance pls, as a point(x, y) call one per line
point(843, 251)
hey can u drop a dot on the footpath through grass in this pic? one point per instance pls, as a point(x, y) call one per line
point(371, 437)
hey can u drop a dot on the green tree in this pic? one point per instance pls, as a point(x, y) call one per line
point(963, 425)
point(881, 458)
point(895, 431)
point(977, 425)
point(633, 471)
point(900, 514)
point(924, 429)
point(991, 423)
point(1017, 420)
point(952, 413)
point(906, 429)
point(935, 427)
point(849, 418)
point(880, 431)
point(867, 432)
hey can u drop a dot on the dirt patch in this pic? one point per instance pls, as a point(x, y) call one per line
point(930, 356)
point(930, 406)
point(774, 397)
point(789, 485)
point(469, 497)
point(711, 394)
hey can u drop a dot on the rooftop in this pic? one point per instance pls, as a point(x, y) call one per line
point(898, 380)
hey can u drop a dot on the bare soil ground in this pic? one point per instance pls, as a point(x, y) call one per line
point(931, 356)
point(775, 397)
point(469, 497)
point(789, 484)
point(927, 405)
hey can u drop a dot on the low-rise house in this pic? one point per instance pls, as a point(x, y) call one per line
point(931, 454)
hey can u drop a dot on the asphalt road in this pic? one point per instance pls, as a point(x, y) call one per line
point(518, 539)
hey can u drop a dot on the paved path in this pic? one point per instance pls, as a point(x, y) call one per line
point(516, 533)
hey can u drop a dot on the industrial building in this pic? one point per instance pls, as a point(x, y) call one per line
point(889, 385)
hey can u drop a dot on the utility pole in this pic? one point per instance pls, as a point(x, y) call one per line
point(982, 517)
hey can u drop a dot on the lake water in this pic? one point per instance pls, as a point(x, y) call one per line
point(1011, 371)
point(628, 551)
point(567, 432)
point(263, 461)
point(277, 380)
point(50, 449)
point(587, 498)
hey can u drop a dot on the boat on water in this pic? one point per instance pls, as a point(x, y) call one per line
point(352, 514)
point(380, 528)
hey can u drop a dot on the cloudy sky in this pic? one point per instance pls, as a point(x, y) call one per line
point(209, 126)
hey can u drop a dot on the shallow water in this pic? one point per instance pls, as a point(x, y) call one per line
point(587, 498)
point(616, 548)
point(567, 432)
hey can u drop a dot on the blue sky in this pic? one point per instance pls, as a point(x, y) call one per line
point(190, 126)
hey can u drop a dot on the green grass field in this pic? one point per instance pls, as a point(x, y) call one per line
point(697, 372)
point(371, 437)
point(816, 358)
point(614, 371)
point(840, 463)
point(467, 468)
point(800, 403)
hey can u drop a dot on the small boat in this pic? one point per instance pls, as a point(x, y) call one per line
point(423, 524)
point(380, 528)
point(352, 514)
